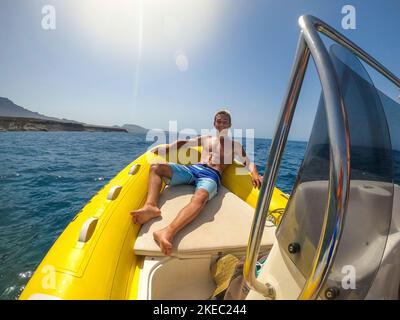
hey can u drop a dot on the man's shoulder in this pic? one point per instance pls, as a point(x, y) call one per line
point(204, 137)
point(237, 143)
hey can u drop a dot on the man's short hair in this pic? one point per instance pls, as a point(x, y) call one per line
point(224, 112)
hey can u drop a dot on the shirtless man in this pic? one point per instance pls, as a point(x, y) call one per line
point(217, 153)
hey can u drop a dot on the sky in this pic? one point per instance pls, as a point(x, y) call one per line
point(148, 62)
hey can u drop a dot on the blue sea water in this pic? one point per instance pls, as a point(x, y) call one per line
point(47, 177)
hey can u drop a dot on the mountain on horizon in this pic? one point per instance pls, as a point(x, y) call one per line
point(133, 128)
point(10, 109)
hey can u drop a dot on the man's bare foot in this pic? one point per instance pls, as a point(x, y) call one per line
point(163, 238)
point(146, 213)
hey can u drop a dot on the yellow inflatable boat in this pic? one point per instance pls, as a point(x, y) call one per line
point(339, 237)
point(102, 254)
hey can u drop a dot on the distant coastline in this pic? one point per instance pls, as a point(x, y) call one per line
point(32, 124)
point(17, 118)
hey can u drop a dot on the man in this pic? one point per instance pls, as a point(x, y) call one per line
point(217, 153)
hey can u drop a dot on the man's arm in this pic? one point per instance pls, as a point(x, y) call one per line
point(256, 179)
point(194, 142)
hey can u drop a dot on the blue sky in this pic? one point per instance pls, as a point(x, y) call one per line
point(148, 62)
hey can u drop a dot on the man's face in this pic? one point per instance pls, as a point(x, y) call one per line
point(222, 122)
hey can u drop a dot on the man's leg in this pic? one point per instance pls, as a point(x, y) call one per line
point(165, 236)
point(150, 209)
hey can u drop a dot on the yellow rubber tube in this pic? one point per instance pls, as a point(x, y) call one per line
point(93, 258)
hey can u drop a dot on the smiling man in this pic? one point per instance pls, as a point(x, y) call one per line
point(217, 153)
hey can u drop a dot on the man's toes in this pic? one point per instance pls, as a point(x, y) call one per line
point(165, 250)
point(133, 215)
point(137, 220)
point(162, 246)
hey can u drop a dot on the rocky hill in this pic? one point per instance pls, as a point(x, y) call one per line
point(133, 128)
point(17, 118)
point(31, 124)
point(10, 109)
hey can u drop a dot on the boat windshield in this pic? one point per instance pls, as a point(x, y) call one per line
point(374, 122)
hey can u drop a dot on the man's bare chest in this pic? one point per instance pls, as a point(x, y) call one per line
point(218, 146)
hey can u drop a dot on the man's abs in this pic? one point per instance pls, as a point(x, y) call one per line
point(218, 163)
point(217, 155)
point(219, 167)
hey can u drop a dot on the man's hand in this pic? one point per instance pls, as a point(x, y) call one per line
point(160, 149)
point(155, 150)
point(256, 180)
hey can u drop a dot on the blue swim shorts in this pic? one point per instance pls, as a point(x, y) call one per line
point(201, 175)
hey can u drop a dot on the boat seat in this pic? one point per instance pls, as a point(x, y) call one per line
point(222, 227)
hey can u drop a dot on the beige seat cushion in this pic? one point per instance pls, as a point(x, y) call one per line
point(223, 225)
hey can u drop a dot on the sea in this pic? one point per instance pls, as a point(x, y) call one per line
point(48, 177)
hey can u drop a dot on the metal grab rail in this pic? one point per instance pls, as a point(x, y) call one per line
point(339, 174)
point(341, 39)
point(276, 152)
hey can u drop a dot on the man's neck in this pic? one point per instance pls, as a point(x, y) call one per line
point(222, 134)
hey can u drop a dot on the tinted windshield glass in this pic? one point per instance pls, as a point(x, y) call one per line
point(369, 211)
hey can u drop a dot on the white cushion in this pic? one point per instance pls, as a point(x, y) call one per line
point(222, 227)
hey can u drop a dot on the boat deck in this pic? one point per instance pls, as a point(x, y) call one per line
point(222, 227)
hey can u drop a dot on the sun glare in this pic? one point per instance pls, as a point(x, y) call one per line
point(153, 27)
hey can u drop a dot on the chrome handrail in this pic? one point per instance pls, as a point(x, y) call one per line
point(339, 173)
point(339, 167)
point(341, 39)
point(271, 169)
